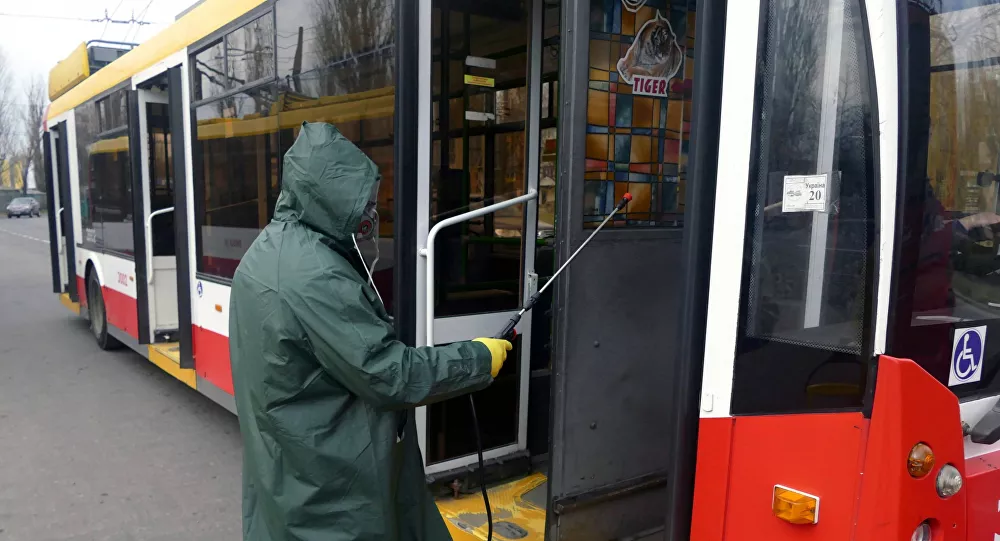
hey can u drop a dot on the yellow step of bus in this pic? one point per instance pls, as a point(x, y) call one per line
point(168, 357)
point(518, 511)
point(73, 306)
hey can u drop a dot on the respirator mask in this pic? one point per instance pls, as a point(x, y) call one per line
point(367, 236)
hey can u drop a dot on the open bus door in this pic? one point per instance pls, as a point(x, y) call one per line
point(608, 393)
point(618, 391)
point(61, 210)
point(156, 138)
point(476, 215)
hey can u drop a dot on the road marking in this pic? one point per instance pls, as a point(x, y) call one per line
point(23, 236)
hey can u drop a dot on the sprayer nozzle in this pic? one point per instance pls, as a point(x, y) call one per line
point(625, 201)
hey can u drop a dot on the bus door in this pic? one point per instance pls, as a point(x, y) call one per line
point(627, 97)
point(59, 149)
point(799, 245)
point(484, 153)
point(156, 262)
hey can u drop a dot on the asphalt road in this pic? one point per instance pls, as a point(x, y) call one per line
point(99, 445)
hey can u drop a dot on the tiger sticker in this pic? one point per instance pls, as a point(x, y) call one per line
point(653, 59)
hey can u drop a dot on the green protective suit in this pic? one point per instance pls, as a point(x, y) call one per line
point(324, 391)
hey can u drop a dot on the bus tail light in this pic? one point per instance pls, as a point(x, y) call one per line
point(795, 507)
point(921, 460)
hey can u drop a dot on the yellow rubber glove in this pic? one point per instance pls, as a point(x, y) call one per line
point(498, 350)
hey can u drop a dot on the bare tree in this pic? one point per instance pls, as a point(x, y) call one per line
point(8, 111)
point(31, 116)
point(353, 45)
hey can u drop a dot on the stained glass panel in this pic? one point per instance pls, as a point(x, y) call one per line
point(639, 110)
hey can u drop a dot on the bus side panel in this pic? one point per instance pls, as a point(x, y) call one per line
point(715, 439)
point(85, 258)
point(119, 289)
point(910, 407)
point(211, 334)
point(818, 454)
point(983, 485)
point(81, 286)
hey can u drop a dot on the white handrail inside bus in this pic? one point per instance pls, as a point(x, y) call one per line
point(149, 242)
point(428, 251)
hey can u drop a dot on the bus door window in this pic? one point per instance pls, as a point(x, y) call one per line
point(948, 266)
point(161, 179)
point(806, 309)
point(479, 112)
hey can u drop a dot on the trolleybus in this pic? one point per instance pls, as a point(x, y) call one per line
point(792, 331)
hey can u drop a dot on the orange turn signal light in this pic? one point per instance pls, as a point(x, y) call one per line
point(795, 507)
point(921, 460)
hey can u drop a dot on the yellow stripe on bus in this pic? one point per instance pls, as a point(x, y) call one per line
point(110, 146)
point(360, 108)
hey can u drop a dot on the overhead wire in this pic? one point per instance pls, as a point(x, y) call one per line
point(142, 17)
point(108, 17)
point(105, 18)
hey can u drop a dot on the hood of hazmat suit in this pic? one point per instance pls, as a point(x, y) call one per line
point(324, 391)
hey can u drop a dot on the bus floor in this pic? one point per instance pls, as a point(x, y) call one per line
point(518, 511)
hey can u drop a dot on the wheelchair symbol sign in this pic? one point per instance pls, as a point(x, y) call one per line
point(967, 356)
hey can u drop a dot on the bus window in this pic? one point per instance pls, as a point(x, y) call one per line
point(947, 273)
point(237, 165)
point(336, 64)
point(250, 103)
point(105, 173)
point(478, 153)
point(808, 262)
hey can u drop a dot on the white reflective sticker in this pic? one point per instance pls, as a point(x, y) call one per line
point(476, 116)
point(480, 62)
point(805, 193)
point(967, 356)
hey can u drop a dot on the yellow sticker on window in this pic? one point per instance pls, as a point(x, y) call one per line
point(478, 81)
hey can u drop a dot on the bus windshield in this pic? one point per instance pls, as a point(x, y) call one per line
point(948, 265)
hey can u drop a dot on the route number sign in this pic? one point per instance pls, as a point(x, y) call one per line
point(806, 193)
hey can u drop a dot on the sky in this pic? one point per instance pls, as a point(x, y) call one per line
point(35, 34)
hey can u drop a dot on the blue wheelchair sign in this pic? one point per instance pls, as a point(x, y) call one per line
point(967, 356)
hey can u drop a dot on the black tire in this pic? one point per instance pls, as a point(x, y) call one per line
point(98, 315)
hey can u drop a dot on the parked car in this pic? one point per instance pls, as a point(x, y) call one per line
point(23, 206)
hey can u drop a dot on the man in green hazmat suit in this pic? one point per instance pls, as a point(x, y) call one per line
point(324, 391)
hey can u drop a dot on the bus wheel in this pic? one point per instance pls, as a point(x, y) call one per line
point(98, 315)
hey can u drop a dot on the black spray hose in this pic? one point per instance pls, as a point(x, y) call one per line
point(482, 471)
point(509, 333)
